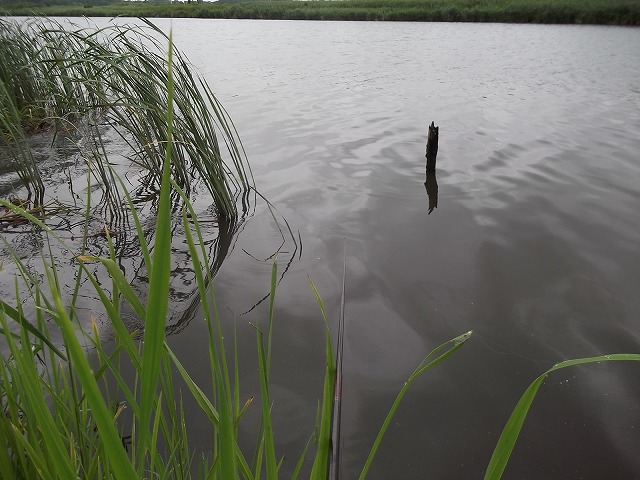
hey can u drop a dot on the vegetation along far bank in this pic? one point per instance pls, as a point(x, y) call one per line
point(601, 12)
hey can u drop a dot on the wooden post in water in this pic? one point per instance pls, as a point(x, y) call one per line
point(432, 148)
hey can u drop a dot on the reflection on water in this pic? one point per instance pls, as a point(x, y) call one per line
point(431, 184)
point(75, 188)
point(218, 235)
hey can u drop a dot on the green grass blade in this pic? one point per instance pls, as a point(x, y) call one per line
point(228, 442)
point(120, 282)
point(272, 299)
point(257, 462)
point(44, 473)
point(136, 220)
point(509, 436)
point(6, 465)
point(237, 412)
point(153, 449)
point(270, 451)
point(227, 418)
point(301, 460)
point(110, 438)
point(207, 407)
point(26, 380)
point(448, 348)
point(122, 334)
point(19, 319)
point(320, 466)
point(158, 300)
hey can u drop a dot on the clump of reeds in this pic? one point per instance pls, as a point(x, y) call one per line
point(84, 79)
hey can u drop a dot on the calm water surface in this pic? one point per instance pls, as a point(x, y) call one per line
point(533, 244)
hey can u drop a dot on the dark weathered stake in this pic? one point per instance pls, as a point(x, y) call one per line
point(432, 147)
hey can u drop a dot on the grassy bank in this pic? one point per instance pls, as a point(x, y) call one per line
point(603, 12)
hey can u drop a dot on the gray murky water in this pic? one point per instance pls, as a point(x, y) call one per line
point(533, 244)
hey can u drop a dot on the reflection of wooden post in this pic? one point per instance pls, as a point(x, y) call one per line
point(432, 190)
point(432, 147)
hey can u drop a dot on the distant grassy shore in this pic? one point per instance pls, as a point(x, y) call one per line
point(601, 12)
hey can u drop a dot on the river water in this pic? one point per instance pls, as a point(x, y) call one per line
point(533, 244)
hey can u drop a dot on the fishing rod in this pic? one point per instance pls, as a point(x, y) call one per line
point(334, 457)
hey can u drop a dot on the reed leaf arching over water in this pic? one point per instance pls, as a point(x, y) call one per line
point(64, 79)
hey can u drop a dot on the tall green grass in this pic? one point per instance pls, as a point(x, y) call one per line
point(81, 80)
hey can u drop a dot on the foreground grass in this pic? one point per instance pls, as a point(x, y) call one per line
point(603, 12)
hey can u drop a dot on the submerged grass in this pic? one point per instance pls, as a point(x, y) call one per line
point(58, 421)
point(605, 12)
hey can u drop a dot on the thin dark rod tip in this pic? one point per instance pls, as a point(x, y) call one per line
point(334, 458)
